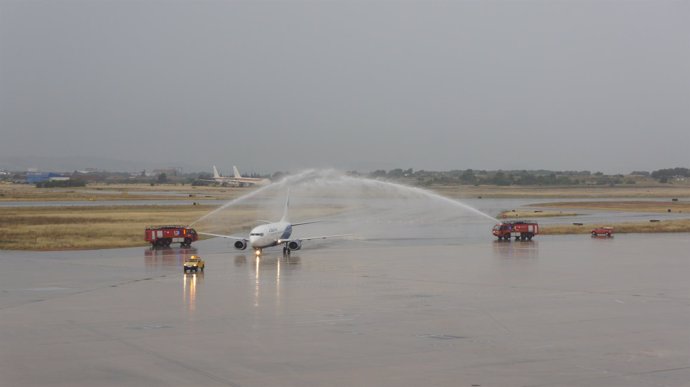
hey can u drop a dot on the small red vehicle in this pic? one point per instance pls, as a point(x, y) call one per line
point(521, 230)
point(603, 231)
point(163, 236)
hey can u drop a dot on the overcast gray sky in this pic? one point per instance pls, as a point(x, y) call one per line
point(281, 85)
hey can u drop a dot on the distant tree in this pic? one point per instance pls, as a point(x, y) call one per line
point(501, 178)
point(162, 178)
point(669, 173)
point(424, 181)
point(378, 173)
point(527, 179)
point(468, 177)
point(395, 173)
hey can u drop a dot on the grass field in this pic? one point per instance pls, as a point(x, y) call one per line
point(96, 227)
point(632, 191)
point(104, 192)
point(630, 206)
point(680, 225)
point(25, 192)
point(68, 228)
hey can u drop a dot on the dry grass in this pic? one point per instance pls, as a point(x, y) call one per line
point(632, 191)
point(97, 227)
point(680, 225)
point(9, 192)
point(94, 227)
point(97, 192)
point(631, 206)
point(68, 228)
point(105, 192)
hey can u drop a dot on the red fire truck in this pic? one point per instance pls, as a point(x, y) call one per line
point(161, 236)
point(519, 229)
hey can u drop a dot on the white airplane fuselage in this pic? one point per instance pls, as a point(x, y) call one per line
point(267, 235)
point(249, 181)
point(273, 234)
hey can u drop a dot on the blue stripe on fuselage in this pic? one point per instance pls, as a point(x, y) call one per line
point(287, 232)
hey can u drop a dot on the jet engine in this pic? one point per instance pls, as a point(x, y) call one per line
point(241, 245)
point(294, 245)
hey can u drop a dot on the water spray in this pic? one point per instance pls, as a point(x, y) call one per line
point(280, 183)
point(332, 178)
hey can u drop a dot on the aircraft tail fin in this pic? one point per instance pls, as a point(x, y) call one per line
point(285, 209)
point(215, 172)
point(237, 172)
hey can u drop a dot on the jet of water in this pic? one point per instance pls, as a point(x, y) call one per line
point(432, 195)
point(330, 178)
point(282, 182)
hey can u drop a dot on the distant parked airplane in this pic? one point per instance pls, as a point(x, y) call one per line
point(237, 179)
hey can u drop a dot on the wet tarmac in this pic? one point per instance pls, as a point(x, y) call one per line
point(558, 311)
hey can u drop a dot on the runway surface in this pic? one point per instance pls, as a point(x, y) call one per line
point(558, 311)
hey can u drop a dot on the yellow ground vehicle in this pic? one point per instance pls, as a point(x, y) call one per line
point(193, 263)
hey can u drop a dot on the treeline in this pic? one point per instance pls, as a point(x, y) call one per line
point(409, 176)
point(665, 175)
point(502, 178)
point(528, 177)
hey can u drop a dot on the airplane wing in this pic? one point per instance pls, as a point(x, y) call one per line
point(312, 238)
point(299, 224)
point(237, 238)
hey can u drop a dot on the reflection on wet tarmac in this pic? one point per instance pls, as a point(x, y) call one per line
point(265, 262)
point(603, 237)
point(516, 249)
point(560, 311)
point(167, 256)
point(264, 265)
point(189, 283)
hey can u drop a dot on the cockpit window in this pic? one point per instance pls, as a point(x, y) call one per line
point(256, 234)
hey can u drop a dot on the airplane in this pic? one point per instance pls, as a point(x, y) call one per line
point(237, 178)
point(272, 234)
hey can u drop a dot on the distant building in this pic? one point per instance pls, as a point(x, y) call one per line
point(33, 177)
point(87, 171)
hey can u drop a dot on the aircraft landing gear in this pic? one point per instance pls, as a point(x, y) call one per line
point(286, 251)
